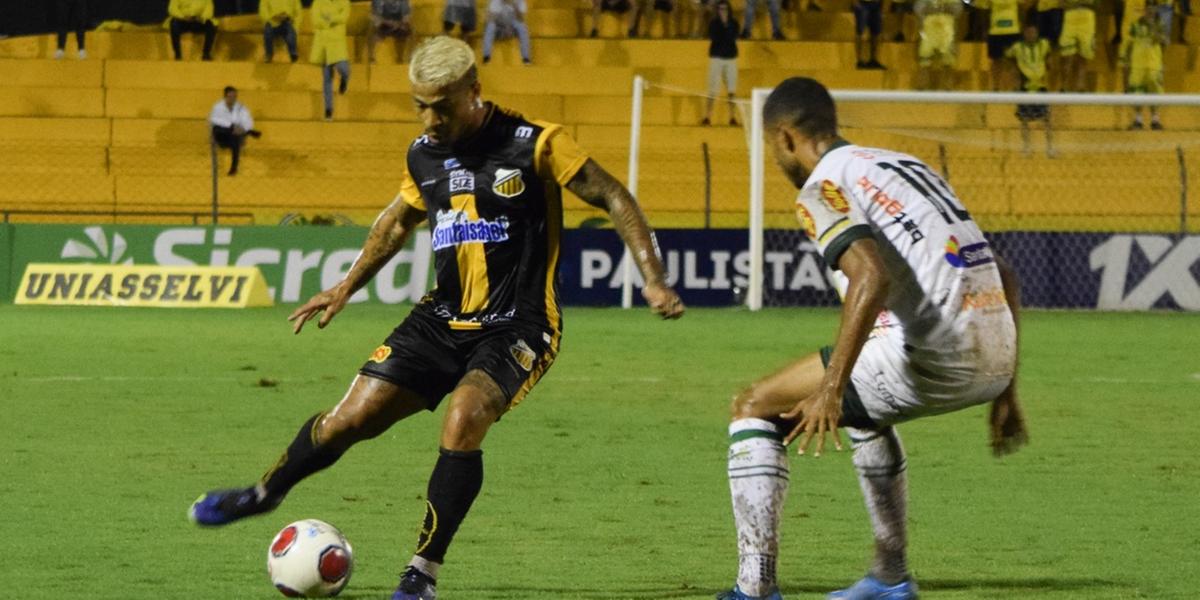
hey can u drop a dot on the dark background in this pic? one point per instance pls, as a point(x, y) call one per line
point(23, 17)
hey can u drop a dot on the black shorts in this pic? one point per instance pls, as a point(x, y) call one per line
point(854, 414)
point(868, 15)
point(425, 355)
point(1033, 112)
point(997, 44)
point(1049, 24)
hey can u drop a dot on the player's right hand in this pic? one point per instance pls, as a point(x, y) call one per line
point(331, 301)
point(663, 300)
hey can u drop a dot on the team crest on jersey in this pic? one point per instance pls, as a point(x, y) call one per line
point(524, 132)
point(451, 163)
point(381, 354)
point(523, 354)
point(509, 183)
point(834, 197)
point(462, 180)
point(806, 221)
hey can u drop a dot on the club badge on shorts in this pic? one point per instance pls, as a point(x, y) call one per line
point(509, 183)
point(381, 354)
point(523, 354)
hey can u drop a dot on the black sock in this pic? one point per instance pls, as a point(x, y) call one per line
point(302, 458)
point(453, 486)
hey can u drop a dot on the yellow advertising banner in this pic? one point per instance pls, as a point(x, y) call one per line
point(143, 285)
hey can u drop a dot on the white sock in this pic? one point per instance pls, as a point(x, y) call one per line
point(881, 465)
point(758, 483)
point(427, 567)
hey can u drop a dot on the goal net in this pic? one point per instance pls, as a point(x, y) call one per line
point(1095, 214)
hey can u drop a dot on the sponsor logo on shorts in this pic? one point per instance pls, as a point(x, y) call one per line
point(454, 228)
point(834, 197)
point(462, 180)
point(524, 132)
point(992, 298)
point(509, 183)
point(806, 221)
point(381, 354)
point(523, 354)
point(965, 257)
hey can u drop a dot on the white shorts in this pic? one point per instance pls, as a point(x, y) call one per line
point(896, 382)
point(722, 68)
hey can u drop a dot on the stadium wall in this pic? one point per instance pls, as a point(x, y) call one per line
point(709, 267)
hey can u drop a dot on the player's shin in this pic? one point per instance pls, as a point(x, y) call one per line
point(453, 486)
point(758, 483)
point(303, 457)
point(880, 461)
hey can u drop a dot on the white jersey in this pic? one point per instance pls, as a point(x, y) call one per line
point(945, 310)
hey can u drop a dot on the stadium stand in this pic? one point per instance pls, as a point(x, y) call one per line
point(123, 132)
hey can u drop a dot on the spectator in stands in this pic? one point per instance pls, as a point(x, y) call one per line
point(279, 18)
point(461, 13)
point(231, 123)
point(1048, 16)
point(70, 15)
point(1077, 44)
point(192, 16)
point(772, 10)
point(1142, 61)
point(694, 16)
point(868, 19)
point(329, 46)
point(937, 51)
point(506, 19)
point(1004, 30)
point(901, 9)
point(722, 59)
point(662, 8)
point(619, 7)
point(389, 18)
point(1032, 54)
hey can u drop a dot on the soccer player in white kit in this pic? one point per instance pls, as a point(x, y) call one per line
point(928, 326)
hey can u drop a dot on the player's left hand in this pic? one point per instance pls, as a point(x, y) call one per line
point(663, 300)
point(818, 415)
point(330, 301)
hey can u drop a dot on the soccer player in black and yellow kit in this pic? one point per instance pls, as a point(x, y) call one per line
point(488, 182)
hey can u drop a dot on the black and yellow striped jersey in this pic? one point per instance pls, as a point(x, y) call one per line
point(495, 211)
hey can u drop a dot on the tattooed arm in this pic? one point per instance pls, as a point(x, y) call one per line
point(387, 236)
point(596, 187)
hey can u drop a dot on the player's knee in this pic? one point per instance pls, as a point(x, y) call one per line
point(343, 430)
point(466, 424)
point(748, 404)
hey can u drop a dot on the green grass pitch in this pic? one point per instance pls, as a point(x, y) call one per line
point(607, 483)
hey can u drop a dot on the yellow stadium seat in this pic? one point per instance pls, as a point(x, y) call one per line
point(51, 102)
point(87, 131)
point(213, 76)
point(51, 73)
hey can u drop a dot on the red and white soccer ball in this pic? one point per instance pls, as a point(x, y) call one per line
point(310, 559)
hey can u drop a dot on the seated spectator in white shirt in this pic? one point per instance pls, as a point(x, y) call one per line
point(231, 123)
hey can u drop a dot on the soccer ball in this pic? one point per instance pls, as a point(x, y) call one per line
point(310, 559)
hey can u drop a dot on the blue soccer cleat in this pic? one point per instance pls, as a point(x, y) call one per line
point(869, 588)
point(736, 594)
point(222, 507)
point(415, 585)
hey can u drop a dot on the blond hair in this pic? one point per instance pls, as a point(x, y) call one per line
point(442, 61)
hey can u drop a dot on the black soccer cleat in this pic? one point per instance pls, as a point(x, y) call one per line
point(222, 507)
point(415, 585)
